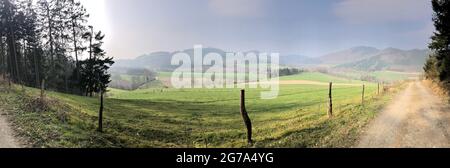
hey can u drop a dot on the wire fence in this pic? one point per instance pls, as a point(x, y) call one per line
point(329, 102)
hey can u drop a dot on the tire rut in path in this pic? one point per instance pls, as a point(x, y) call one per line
point(416, 118)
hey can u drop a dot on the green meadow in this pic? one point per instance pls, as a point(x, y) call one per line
point(198, 117)
point(382, 76)
point(320, 77)
point(391, 76)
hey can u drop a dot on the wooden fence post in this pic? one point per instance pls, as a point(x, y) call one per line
point(378, 88)
point(330, 108)
point(100, 113)
point(247, 121)
point(362, 99)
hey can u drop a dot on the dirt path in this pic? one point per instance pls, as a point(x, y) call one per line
point(7, 140)
point(415, 119)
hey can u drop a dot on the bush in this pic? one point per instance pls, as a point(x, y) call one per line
point(290, 71)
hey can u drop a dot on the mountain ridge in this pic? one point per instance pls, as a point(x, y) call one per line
point(360, 58)
point(391, 59)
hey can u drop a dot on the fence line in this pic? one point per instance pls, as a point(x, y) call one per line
point(330, 96)
point(247, 120)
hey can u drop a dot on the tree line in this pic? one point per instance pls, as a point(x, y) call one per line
point(44, 41)
point(131, 78)
point(290, 71)
point(437, 66)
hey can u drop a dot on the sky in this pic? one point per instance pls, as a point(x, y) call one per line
point(305, 27)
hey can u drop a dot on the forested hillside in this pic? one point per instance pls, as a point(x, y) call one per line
point(48, 44)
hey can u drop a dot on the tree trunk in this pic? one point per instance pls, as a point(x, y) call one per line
point(90, 59)
point(75, 42)
point(90, 43)
point(362, 98)
point(330, 97)
point(2, 56)
point(36, 67)
point(9, 82)
point(23, 62)
point(10, 64)
point(50, 36)
point(77, 65)
point(14, 50)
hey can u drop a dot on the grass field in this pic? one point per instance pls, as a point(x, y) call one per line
point(198, 117)
point(391, 76)
point(319, 77)
point(382, 76)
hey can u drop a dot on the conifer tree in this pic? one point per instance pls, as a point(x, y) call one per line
point(439, 62)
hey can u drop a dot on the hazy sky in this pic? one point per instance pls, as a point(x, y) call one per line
point(307, 27)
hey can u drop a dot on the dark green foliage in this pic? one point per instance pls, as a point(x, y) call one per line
point(94, 71)
point(42, 40)
point(431, 68)
point(290, 71)
point(438, 66)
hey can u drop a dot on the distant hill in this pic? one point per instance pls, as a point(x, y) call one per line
point(161, 60)
point(358, 58)
point(296, 60)
point(391, 59)
point(349, 55)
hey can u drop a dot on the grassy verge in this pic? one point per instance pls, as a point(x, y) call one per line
point(55, 124)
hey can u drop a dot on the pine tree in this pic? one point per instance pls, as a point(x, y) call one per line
point(41, 40)
point(78, 17)
point(440, 43)
point(102, 77)
point(53, 14)
point(2, 43)
point(12, 29)
point(95, 76)
point(33, 51)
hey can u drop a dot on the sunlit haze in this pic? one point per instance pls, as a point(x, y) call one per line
point(310, 28)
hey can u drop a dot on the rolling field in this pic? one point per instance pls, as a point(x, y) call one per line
point(319, 77)
point(382, 76)
point(391, 76)
point(200, 117)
